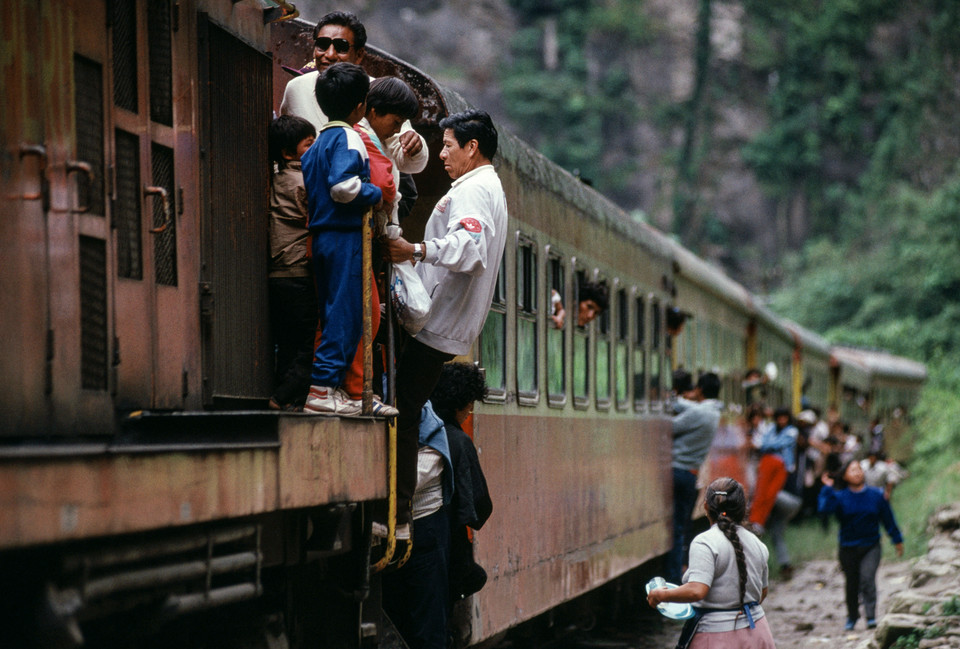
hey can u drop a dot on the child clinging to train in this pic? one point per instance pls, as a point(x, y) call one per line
point(292, 297)
point(336, 173)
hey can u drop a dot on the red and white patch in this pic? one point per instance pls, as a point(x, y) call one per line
point(473, 228)
point(471, 225)
point(442, 205)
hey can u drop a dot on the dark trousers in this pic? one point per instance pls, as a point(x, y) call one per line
point(684, 500)
point(415, 596)
point(418, 371)
point(293, 323)
point(859, 564)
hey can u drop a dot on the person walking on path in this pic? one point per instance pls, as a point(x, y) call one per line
point(861, 510)
point(726, 580)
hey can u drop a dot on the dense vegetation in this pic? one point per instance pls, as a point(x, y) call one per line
point(861, 132)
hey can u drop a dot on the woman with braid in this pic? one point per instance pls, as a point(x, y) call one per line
point(726, 578)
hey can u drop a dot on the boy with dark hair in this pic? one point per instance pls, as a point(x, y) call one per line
point(390, 103)
point(293, 299)
point(336, 173)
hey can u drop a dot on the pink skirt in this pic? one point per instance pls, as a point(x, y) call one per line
point(757, 638)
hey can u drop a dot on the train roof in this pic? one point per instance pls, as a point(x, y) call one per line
point(874, 363)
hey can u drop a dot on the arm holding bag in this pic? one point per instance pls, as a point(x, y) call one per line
point(410, 300)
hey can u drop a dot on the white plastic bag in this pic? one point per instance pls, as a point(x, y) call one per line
point(410, 300)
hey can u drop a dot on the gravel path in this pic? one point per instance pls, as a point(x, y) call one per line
point(806, 611)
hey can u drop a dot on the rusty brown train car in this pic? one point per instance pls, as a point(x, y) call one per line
point(147, 496)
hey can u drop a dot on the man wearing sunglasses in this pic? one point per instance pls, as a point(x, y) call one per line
point(340, 37)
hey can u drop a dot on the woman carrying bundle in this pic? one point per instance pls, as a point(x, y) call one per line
point(726, 578)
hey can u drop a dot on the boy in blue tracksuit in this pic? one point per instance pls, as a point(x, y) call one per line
point(861, 511)
point(336, 174)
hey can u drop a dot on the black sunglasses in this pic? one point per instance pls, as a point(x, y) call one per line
point(340, 45)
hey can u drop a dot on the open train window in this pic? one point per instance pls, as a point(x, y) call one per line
point(581, 347)
point(603, 329)
point(661, 368)
point(639, 354)
point(527, 388)
point(493, 340)
point(556, 341)
point(621, 366)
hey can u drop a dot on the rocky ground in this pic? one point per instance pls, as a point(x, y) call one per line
point(919, 605)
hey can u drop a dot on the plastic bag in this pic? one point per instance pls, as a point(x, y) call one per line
point(410, 300)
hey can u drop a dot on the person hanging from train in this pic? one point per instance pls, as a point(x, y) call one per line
point(694, 427)
point(390, 103)
point(451, 494)
point(292, 297)
point(458, 261)
point(778, 448)
point(340, 37)
point(727, 579)
point(592, 300)
point(336, 173)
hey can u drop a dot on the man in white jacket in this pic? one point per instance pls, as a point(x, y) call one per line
point(458, 261)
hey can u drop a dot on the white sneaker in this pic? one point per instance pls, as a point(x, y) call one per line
point(321, 400)
point(324, 400)
point(346, 406)
point(381, 409)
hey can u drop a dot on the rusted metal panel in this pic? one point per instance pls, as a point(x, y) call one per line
point(24, 320)
point(328, 459)
point(103, 491)
point(596, 498)
point(45, 500)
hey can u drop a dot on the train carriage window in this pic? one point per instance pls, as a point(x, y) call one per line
point(660, 368)
point(164, 222)
point(125, 72)
point(526, 320)
point(493, 337)
point(161, 61)
point(126, 206)
point(639, 355)
point(581, 349)
point(88, 85)
point(556, 358)
point(603, 330)
point(622, 351)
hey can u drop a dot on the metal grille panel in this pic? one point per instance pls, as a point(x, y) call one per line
point(165, 242)
point(93, 314)
point(161, 62)
point(88, 84)
point(238, 90)
point(125, 54)
point(126, 209)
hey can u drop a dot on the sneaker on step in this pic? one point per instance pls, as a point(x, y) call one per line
point(321, 400)
point(849, 625)
point(348, 407)
point(381, 409)
point(871, 623)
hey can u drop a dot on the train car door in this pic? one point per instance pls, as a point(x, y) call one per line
point(154, 294)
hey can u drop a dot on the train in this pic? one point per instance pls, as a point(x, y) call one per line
point(147, 494)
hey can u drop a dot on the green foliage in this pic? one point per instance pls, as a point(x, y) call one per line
point(571, 112)
point(952, 606)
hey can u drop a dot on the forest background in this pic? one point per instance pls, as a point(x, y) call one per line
point(811, 150)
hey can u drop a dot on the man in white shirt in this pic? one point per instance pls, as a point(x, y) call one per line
point(340, 37)
point(458, 261)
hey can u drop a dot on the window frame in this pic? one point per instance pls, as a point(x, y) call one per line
point(526, 313)
point(498, 305)
point(553, 256)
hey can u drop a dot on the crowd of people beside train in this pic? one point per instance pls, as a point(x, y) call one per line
point(775, 468)
point(344, 151)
